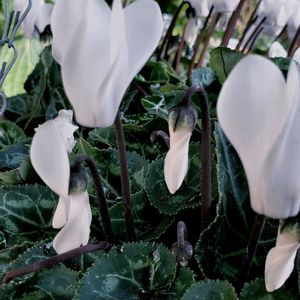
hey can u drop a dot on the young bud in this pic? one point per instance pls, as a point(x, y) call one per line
point(182, 121)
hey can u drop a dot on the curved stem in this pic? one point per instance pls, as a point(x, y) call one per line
point(210, 32)
point(125, 179)
point(105, 218)
point(294, 43)
point(165, 42)
point(181, 233)
point(164, 136)
point(231, 24)
point(253, 37)
point(198, 43)
point(206, 199)
point(257, 229)
point(55, 260)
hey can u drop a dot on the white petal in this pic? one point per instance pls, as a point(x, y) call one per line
point(277, 50)
point(105, 65)
point(280, 260)
point(296, 55)
point(44, 17)
point(50, 159)
point(279, 187)
point(60, 215)
point(176, 161)
point(77, 229)
point(253, 108)
point(191, 31)
point(221, 6)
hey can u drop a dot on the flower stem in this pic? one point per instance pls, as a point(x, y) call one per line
point(257, 229)
point(206, 199)
point(55, 260)
point(125, 179)
point(231, 24)
point(251, 21)
point(181, 233)
point(210, 32)
point(198, 43)
point(294, 43)
point(105, 218)
point(165, 42)
point(253, 37)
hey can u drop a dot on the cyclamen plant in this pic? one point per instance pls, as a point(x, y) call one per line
point(177, 178)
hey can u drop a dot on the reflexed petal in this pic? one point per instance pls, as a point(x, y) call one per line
point(50, 159)
point(253, 107)
point(60, 215)
point(176, 161)
point(77, 229)
point(96, 87)
point(279, 187)
point(277, 50)
point(280, 260)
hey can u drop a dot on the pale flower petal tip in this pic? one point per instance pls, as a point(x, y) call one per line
point(176, 161)
point(280, 259)
point(76, 231)
point(49, 153)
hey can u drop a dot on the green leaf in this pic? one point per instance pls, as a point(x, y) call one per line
point(11, 157)
point(282, 62)
point(10, 254)
point(55, 283)
point(257, 290)
point(26, 212)
point(203, 77)
point(162, 268)
point(183, 281)
point(210, 290)
point(117, 275)
point(28, 56)
point(222, 60)
point(186, 197)
point(123, 275)
point(10, 134)
point(155, 105)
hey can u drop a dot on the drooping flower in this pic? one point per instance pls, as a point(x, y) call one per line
point(276, 12)
point(102, 51)
point(38, 17)
point(182, 121)
point(192, 27)
point(293, 22)
point(49, 150)
point(259, 112)
point(280, 259)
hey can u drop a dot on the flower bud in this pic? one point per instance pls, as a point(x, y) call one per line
point(182, 121)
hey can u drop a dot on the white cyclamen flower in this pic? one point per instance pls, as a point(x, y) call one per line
point(277, 13)
point(49, 150)
point(182, 120)
point(38, 17)
point(280, 259)
point(100, 50)
point(191, 31)
point(293, 22)
point(259, 112)
point(223, 6)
